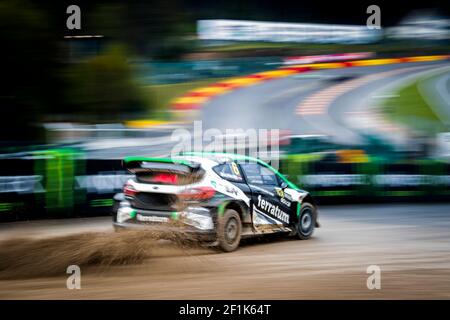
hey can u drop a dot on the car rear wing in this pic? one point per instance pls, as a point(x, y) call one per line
point(138, 165)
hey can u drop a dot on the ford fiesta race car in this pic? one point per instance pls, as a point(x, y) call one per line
point(220, 198)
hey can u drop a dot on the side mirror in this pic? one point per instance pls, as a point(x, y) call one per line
point(284, 185)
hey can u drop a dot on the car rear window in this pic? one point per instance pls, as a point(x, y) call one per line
point(169, 178)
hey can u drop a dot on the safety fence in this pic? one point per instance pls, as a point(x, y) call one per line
point(62, 183)
point(371, 181)
point(58, 183)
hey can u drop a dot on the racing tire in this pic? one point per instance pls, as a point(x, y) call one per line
point(229, 230)
point(306, 221)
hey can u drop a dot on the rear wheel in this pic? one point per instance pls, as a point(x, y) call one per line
point(229, 230)
point(306, 221)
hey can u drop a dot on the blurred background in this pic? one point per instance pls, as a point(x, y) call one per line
point(363, 113)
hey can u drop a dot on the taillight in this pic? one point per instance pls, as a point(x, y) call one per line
point(200, 193)
point(166, 178)
point(129, 190)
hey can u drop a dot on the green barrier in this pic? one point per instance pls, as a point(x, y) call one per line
point(58, 168)
point(182, 71)
point(367, 181)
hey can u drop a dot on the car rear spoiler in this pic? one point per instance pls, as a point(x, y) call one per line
point(141, 164)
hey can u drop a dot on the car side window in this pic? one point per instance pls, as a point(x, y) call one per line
point(229, 171)
point(258, 174)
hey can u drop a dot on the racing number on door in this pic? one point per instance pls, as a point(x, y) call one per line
point(235, 169)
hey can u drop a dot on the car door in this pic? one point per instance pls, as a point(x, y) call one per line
point(270, 209)
point(234, 184)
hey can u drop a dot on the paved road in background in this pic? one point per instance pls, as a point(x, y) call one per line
point(340, 103)
point(410, 243)
point(278, 104)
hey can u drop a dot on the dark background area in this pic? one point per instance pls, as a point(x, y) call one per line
point(340, 12)
point(35, 54)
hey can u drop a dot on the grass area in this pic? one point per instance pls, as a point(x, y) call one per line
point(161, 95)
point(410, 108)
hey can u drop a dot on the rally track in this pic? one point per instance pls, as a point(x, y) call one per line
point(294, 103)
point(333, 102)
point(411, 244)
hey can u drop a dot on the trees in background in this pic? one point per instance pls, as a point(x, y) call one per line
point(30, 88)
point(104, 88)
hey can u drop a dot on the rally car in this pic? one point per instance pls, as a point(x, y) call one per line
point(218, 197)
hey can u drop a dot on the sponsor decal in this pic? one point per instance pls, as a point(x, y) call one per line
point(226, 187)
point(272, 209)
point(280, 192)
point(285, 202)
point(231, 190)
point(283, 197)
point(263, 223)
point(151, 218)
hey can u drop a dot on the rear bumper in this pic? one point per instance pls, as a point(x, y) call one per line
point(168, 231)
point(194, 222)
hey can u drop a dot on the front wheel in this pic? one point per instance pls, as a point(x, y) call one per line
point(229, 229)
point(306, 221)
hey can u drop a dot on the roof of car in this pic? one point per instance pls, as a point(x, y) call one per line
point(221, 157)
point(215, 156)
